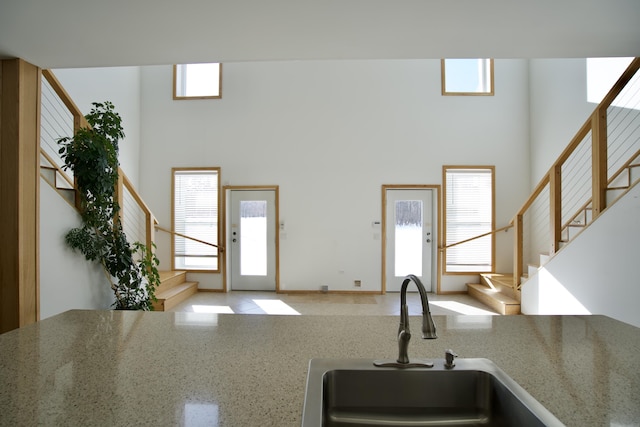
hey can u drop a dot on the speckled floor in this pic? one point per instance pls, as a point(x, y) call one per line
point(247, 302)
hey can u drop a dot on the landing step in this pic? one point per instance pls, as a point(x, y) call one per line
point(495, 299)
point(173, 296)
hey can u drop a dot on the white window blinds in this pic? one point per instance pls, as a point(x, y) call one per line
point(469, 213)
point(195, 214)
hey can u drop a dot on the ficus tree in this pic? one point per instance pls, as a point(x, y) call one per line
point(92, 155)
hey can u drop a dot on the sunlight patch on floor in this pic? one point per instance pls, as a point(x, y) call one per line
point(212, 309)
point(462, 308)
point(275, 306)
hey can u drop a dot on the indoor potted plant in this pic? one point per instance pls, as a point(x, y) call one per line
point(92, 155)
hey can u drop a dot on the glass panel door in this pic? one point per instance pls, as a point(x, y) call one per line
point(409, 236)
point(253, 237)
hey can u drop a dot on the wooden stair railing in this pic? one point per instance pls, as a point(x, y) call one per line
point(124, 183)
point(596, 126)
point(175, 233)
point(497, 230)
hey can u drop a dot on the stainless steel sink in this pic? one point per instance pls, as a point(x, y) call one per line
point(352, 392)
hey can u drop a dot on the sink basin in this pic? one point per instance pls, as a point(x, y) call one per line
point(352, 392)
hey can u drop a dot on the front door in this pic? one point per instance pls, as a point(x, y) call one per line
point(409, 236)
point(252, 239)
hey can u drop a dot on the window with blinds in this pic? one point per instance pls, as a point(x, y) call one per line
point(469, 206)
point(195, 214)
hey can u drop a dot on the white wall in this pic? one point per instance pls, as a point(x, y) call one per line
point(597, 272)
point(67, 280)
point(119, 85)
point(330, 133)
point(559, 107)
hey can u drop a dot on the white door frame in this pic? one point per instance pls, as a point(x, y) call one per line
point(435, 272)
point(226, 212)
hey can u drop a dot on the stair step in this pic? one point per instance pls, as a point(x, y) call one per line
point(168, 279)
point(173, 296)
point(495, 299)
point(500, 282)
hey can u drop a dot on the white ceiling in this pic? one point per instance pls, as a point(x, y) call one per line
point(91, 33)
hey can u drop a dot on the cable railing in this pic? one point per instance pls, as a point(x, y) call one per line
point(61, 117)
point(574, 191)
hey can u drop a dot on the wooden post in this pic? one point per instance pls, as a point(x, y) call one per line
point(19, 193)
point(518, 250)
point(555, 207)
point(599, 161)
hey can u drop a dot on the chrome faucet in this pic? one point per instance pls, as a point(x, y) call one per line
point(404, 334)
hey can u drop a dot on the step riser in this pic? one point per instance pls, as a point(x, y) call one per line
point(171, 282)
point(169, 303)
point(500, 307)
point(506, 289)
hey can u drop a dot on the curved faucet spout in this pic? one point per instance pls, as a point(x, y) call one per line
point(428, 327)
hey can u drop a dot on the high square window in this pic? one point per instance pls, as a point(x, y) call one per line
point(197, 81)
point(467, 76)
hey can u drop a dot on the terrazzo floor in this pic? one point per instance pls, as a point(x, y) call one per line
point(249, 302)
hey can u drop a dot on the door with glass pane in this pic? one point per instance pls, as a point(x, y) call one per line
point(409, 236)
point(252, 240)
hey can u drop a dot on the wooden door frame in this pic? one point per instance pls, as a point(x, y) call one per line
point(226, 191)
point(438, 212)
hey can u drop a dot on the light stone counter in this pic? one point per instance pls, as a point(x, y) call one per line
point(107, 368)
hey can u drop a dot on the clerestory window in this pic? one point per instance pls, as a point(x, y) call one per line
point(195, 197)
point(197, 81)
point(472, 76)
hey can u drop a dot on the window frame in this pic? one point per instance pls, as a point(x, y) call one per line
point(448, 168)
point(177, 97)
point(217, 170)
point(491, 92)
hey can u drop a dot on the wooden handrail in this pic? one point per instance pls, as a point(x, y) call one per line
point(134, 193)
point(175, 233)
point(584, 130)
point(78, 118)
point(596, 125)
point(506, 227)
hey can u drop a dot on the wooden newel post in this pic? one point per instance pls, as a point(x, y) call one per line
point(599, 158)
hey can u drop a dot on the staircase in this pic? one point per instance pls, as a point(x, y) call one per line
point(174, 288)
point(58, 181)
point(495, 290)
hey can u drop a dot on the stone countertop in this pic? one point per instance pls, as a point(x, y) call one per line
point(121, 368)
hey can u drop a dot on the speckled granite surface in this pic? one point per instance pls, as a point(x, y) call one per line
point(84, 368)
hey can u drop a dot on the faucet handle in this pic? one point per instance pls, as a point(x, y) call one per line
point(449, 356)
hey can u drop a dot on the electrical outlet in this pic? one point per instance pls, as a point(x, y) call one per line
point(357, 283)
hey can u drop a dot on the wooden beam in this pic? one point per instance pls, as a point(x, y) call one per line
point(19, 193)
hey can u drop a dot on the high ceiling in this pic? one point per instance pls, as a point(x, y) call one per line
point(91, 33)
